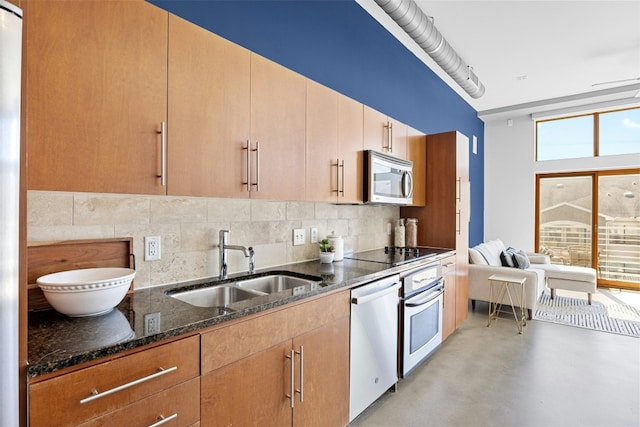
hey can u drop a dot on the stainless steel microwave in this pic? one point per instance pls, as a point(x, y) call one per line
point(387, 179)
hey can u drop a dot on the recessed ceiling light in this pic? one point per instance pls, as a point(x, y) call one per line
point(629, 195)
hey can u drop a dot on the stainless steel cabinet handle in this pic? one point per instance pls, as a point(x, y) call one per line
point(95, 395)
point(292, 387)
point(257, 183)
point(301, 390)
point(459, 214)
point(459, 195)
point(163, 153)
point(337, 165)
point(162, 420)
point(342, 186)
point(248, 181)
point(389, 128)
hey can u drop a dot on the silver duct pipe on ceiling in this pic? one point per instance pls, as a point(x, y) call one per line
point(419, 26)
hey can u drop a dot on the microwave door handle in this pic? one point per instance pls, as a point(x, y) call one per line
point(407, 184)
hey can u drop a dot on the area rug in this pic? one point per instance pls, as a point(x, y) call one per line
point(611, 316)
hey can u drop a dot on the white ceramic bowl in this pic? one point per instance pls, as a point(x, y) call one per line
point(86, 292)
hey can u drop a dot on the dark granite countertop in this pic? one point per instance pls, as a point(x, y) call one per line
point(56, 341)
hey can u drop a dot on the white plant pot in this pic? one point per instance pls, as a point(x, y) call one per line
point(326, 257)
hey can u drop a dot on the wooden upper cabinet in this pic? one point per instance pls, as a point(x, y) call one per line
point(417, 153)
point(384, 134)
point(334, 146)
point(278, 125)
point(209, 106)
point(375, 131)
point(96, 78)
point(350, 145)
point(399, 137)
point(322, 143)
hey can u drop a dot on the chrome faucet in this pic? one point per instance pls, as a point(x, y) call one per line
point(224, 246)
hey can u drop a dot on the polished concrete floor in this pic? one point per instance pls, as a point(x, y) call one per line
point(552, 375)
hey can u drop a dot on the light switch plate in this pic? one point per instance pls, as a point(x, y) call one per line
point(298, 236)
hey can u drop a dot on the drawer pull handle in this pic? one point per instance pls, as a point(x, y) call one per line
point(95, 395)
point(162, 420)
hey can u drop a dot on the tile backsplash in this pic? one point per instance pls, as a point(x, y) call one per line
point(189, 227)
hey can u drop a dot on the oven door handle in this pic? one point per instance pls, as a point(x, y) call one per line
point(423, 299)
point(370, 297)
point(429, 285)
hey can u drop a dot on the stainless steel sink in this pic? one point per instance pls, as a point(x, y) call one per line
point(278, 283)
point(215, 296)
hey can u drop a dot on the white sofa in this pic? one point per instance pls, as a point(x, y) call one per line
point(484, 261)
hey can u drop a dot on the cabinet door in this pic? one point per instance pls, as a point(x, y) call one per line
point(417, 153)
point(375, 130)
point(350, 122)
point(322, 143)
point(249, 392)
point(96, 78)
point(462, 236)
point(325, 382)
point(450, 296)
point(399, 133)
point(278, 125)
point(209, 109)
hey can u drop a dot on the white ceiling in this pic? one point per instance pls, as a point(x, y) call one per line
point(529, 51)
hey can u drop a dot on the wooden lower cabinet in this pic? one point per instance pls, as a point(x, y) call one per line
point(61, 401)
point(253, 388)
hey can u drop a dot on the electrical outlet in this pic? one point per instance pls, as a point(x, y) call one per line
point(152, 323)
point(152, 248)
point(298, 236)
point(314, 235)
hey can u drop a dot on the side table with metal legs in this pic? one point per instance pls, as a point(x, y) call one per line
point(507, 285)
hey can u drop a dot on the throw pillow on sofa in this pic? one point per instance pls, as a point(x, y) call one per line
point(514, 258)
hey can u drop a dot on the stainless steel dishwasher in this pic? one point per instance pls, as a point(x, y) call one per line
point(374, 342)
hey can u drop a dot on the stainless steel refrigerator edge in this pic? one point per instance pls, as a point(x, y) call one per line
point(10, 83)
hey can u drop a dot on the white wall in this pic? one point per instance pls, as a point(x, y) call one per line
point(510, 176)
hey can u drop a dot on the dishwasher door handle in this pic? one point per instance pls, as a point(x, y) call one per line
point(370, 297)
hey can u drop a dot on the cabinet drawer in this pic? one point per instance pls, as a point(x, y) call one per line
point(178, 406)
point(448, 265)
point(72, 399)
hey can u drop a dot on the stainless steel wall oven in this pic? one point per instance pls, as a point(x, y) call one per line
point(420, 316)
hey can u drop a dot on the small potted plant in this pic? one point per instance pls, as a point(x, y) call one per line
point(326, 252)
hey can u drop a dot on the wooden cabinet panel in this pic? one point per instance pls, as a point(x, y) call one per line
point(56, 401)
point(375, 131)
point(350, 146)
point(278, 124)
point(384, 134)
point(399, 134)
point(96, 77)
point(247, 367)
point(326, 376)
point(322, 143)
point(230, 343)
point(250, 391)
point(208, 90)
point(417, 153)
point(449, 309)
point(447, 204)
point(179, 405)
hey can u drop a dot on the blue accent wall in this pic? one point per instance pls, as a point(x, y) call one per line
point(338, 44)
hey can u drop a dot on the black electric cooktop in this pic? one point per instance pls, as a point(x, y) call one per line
point(394, 255)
